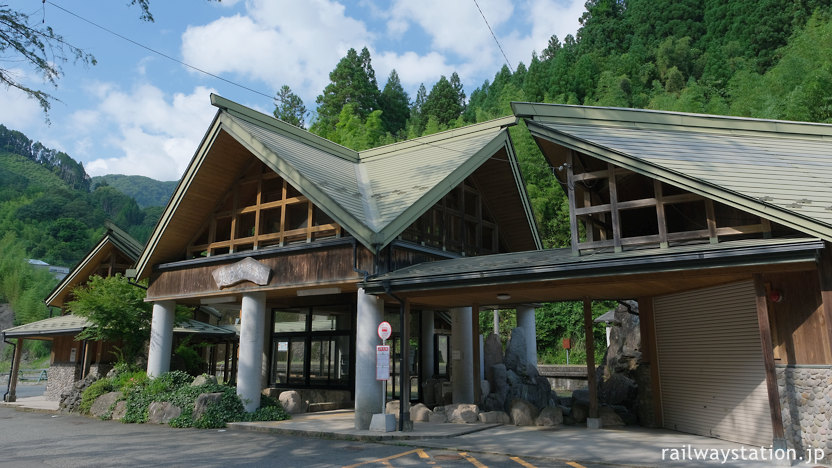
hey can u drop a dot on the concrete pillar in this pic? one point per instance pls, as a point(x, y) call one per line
point(462, 355)
point(368, 390)
point(496, 322)
point(525, 320)
point(252, 321)
point(427, 344)
point(161, 338)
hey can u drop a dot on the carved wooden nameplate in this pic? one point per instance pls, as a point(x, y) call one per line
point(247, 269)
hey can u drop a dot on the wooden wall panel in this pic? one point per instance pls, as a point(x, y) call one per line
point(798, 324)
point(331, 265)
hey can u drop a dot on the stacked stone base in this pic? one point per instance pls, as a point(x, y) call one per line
point(805, 400)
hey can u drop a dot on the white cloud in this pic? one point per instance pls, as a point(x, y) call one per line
point(277, 43)
point(412, 68)
point(154, 134)
point(17, 110)
point(546, 17)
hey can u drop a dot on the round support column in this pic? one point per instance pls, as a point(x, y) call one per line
point(252, 322)
point(368, 390)
point(161, 338)
point(427, 344)
point(462, 355)
point(525, 320)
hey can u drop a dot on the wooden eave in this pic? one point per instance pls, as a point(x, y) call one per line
point(675, 178)
point(557, 275)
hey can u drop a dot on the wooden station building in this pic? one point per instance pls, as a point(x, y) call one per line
point(285, 227)
point(719, 226)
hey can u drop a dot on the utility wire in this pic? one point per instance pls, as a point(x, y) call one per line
point(494, 36)
point(161, 53)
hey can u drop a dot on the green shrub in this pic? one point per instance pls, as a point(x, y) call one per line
point(91, 393)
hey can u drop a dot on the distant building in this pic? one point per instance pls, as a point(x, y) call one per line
point(58, 271)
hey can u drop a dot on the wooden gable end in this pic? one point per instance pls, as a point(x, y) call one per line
point(481, 216)
point(259, 210)
point(612, 208)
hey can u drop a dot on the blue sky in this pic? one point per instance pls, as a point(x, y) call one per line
point(136, 112)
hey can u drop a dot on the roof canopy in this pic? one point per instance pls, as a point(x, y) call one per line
point(775, 169)
point(374, 194)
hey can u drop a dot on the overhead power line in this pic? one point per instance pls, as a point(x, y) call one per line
point(162, 54)
point(494, 36)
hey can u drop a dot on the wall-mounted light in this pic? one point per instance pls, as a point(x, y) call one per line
point(775, 295)
point(503, 296)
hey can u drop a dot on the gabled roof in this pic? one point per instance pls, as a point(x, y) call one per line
point(775, 169)
point(114, 239)
point(373, 194)
point(61, 325)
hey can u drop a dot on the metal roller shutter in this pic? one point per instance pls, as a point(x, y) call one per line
point(710, 364)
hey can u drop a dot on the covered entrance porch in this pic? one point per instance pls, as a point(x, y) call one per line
point(717, 295)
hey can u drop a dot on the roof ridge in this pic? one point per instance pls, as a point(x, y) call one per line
point(623, 116)
point(500, 122)
point(259, 118)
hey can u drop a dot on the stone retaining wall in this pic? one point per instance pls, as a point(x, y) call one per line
point(806, 399)
point(61, 378)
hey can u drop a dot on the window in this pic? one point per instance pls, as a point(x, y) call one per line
point(312, 347)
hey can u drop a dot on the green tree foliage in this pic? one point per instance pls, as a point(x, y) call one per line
point(21, 284)
point(395, 105)
point(117, 310)
point(445, 102)
point(352, 82)
point(289, 107)
point(145, 191)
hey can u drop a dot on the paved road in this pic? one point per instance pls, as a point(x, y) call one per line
point(24, 389)
point(38, 439)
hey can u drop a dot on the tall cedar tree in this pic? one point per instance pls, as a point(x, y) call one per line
point(446, 100)
point(395, 105)
point(289, 107)
point(352, 82)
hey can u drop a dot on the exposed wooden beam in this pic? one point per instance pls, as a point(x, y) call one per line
point(711, 219)
point(650, 354)
point(661, 220)
point(768, 359)
point(616, 220)
point(570, 186)
point(603, 174)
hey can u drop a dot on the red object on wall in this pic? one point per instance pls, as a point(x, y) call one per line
point(567, 343)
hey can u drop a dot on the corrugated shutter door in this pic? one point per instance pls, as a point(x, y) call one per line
point(711, 366)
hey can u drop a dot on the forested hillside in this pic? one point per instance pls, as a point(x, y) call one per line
point(146, 191)
point(767, 59)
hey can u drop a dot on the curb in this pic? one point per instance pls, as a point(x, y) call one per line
point(351, 436)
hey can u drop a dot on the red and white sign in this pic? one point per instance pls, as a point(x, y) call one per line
point(383, 362)
point(385, 330)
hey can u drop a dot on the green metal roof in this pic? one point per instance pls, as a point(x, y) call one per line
point(374, 194)
point(776, 169)
point(61, 325)
point(554, 264)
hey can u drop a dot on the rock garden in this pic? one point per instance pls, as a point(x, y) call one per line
point(174, 398)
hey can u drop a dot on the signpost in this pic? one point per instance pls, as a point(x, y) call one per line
point(385, 330)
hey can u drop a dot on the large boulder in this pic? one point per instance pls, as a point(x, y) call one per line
point(495, 417)
point(119, 410)
point(392, 407)
point(161, 412)
point(550, 416)
point(516, 348)
point(522, 413)
point(203, 401)
point(617, 389)
point(438, 415)
point(579, 412)
point(492, 355)
point(609, 418)
point(462, 413)
point(204, 379)
point(420, 413)
point(292, 402)
point(101, 406)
